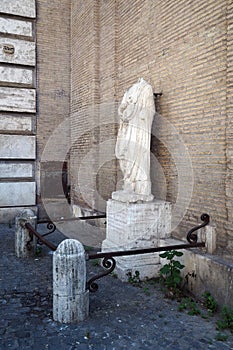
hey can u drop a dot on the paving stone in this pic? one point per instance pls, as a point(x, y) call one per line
point(121, 316)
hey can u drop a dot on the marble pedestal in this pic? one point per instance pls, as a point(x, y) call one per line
point(137, 226)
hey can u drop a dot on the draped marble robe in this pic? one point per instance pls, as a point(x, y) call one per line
point(136, 112)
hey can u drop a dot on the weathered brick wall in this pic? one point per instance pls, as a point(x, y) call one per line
point(84, 94)
point(184, 50)
point(189, 64)
point(229, 127)
point(53, 86)
point(93, 96)
point(107, 177)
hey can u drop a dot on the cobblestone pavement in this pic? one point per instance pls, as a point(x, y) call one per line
point(122, 316)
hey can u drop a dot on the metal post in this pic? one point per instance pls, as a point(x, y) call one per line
point(25, 244)
point(70, 297)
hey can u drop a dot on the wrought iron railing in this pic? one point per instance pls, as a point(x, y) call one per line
point(108, 262)
point(40, 237)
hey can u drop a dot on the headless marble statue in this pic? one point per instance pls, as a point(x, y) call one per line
point(136, 112)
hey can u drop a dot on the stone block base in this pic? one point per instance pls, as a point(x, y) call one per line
point(147, 265)
point(137, 226)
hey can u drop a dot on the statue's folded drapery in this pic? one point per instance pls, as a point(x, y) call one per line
point(136, 113)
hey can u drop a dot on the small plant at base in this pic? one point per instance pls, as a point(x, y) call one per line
point(170, 272)
point(95, 262)
point(87, 248)
point(226, 321)
point(193, 309)
point(134, 279)
point(221, 337)
point(114, 275)
point(209, 302)
point(38, 250)
point(146, 290)
point(190, 305)
point(87, 335)
point(183, 304)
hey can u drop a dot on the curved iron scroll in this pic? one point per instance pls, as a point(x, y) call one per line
point(109, 263)
point(51, 227)
point(191, 236)
point(32, 232)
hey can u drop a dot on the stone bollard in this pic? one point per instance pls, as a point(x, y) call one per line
point(70, 297)
point(208, 235)
point(22, 237)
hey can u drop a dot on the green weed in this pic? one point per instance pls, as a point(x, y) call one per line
point(226, 321)
point(210, 303)
point(189, 305)
point(171, 272)
point(134, 279)
point(95, 262)
point(221, 337)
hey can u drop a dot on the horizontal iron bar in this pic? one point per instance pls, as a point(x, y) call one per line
point(40, 237)
point(73, 219)
point(144, 251)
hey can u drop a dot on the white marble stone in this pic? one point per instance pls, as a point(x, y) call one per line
point(136, 113)
point(17, 147)
point(131, 197)
point(24, 52)
point(15, 170)
point(209, 236)
point(22, 236)
point(17, 100)
point(137, 226)
point(17, 194)
point(70, 297)
point(25, 8)
point(16, 75)
point(15, 123)
point(146, 223)
point(148, 265)
point(15, 27)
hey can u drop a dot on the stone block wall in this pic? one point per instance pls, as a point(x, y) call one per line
point(17, 107)
point(183, 49)
point(34, 100)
